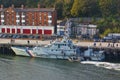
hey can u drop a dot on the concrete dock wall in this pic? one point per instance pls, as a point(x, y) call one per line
point(112, 51)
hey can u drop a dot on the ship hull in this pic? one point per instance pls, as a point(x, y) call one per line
point(20, 51)
point(24, 52)
point(44, 53)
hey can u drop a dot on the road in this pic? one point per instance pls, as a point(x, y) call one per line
point(79, 43)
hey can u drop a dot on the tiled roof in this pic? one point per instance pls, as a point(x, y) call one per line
point(32, 9)
point(35, 9)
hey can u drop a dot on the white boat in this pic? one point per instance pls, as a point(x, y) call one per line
point(93, 55)
point(60, 49)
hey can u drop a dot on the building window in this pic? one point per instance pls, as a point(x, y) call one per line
point(12, 18)
point(17, 18)
point(2, 18)
point(40, 13)
point(40, 23)
point(50, 18)
point(45, 23)
point(1, 13)
point(49, 13)
point(23, 13)
point(23, 18)
point(49, 24)
point(24, 23)
point(33, 23)
point(45, 13)
point(2, 23)
point(44, 17)
point(18, 23)
point(40, 18)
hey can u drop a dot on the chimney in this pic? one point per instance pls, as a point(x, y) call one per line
point(38, 6)
point(1, 6)
point(22, 6)
point(12, 5)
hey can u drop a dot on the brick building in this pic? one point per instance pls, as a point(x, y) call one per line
point(41, 21)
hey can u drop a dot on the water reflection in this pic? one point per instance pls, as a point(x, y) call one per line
point(26, 68)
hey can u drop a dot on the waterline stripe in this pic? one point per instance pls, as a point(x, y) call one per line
point(30, 53)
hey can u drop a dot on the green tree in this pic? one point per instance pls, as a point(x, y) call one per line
point(59, 8)
point(31, 3)
point(18, 3)
point(108, 7)
point(117, 8)
point(87, 8)
point(67, 7)
point(6, 3)
point(75, 8)
point(106, 32)
point(49, 3)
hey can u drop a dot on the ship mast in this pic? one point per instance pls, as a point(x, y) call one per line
point(67, 30)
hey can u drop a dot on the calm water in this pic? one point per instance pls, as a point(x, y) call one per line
point(24, 68)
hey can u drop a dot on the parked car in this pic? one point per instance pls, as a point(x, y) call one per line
point(107, 39)
point(4, 36)
point(31, 37)
point(14, 36)
point(18, 36)
point(37, 37)
point(24, 36)
point(96, 39)
point(10, 35)
point(1, 35)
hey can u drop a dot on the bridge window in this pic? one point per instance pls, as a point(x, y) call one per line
point(58, 45)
